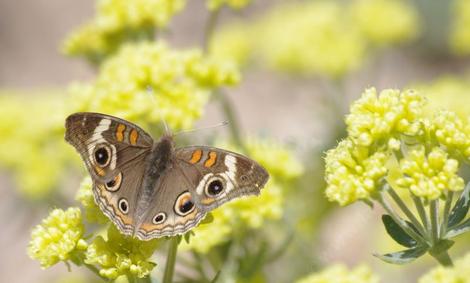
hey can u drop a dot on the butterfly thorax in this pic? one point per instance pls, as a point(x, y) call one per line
point(157, 163)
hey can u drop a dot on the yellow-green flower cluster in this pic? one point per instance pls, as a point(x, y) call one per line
point(389, 127)
point(251, 212)
point(459, 273)
point(339, 273)
point(460, 34)
point(32, 131)
point(147, 82)
point(375, 118)
point(85, 196)
point(234, 4)
point(58, 237)
point(352, 172)
point(385, 22)
point(429, 175)
point(118, 21)
point(120, 255)
point(310, 37)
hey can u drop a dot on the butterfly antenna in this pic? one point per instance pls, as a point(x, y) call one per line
point(221, 124)
point(152, 96)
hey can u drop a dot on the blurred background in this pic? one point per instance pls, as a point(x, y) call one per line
point(301, 64)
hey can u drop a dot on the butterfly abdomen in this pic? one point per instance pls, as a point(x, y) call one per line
point(157, 162)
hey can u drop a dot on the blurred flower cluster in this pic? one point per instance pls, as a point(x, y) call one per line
point(456, 274)
point(460, 34)
point(341, 274)
point(117, 22)
point(319, 37)
point(33, 135)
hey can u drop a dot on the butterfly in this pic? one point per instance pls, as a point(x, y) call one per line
point(150, 188)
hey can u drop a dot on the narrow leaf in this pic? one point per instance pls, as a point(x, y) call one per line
point(397, 233)
point(403, 257)
point(459, 229)
point(460, 209)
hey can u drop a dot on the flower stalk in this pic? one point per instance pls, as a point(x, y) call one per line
point(171, 259)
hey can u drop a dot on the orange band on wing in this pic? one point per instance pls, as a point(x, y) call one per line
point(211, 160)
point(99, 171)
point(133, 136)
point(120, 132)
point(197, 154)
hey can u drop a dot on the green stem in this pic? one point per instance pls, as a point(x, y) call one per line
point(445, 220)
point(418, 238)
point(434, 211)
point(406, 210)
point(209, 29)
point(231, 117)
point(422, 214)
point(443, 258)
point(171, 260)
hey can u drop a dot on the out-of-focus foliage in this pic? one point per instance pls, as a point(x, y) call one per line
point(117, 22)
point(339, 273)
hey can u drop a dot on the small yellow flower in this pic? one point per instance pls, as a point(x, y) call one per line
point(120, 255)
point(385, 22)
point(379, 117)
point(460, 273)
point(353, 173)
point(59, 235)
point(430, 175)
point(451, 132)
point(339, 273)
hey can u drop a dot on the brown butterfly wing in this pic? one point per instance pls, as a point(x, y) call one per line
point(218, 175)
point(114, 152)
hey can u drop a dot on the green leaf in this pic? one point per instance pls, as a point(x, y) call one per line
point(459, 229)
point(405, 256)
point(460, 209)
point(397, 233)
point(216, 277)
